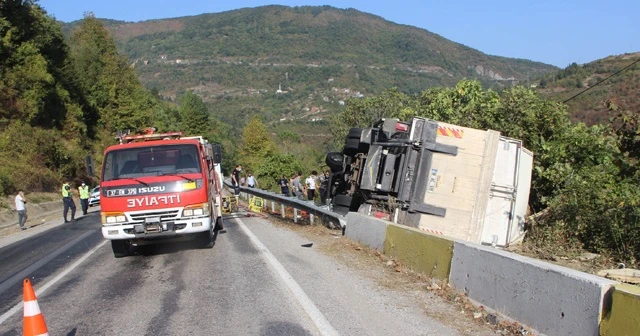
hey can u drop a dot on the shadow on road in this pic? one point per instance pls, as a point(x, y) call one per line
point(172, 246)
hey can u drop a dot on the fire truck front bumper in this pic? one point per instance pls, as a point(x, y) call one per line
point(157, 230)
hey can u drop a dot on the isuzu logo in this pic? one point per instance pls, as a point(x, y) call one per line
point(146, 190)
point(153, 200)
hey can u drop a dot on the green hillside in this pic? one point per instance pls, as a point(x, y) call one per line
point(320, 56)
point(601, 102)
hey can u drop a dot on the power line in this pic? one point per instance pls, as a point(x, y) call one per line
point(596, 84)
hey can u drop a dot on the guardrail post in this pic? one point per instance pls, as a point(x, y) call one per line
point(311, 218)
point(282, 211)
point(273, 206)
point(295, 215)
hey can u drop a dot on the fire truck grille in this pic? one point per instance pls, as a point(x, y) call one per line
point(165, 216)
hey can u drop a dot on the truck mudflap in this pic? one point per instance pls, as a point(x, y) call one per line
point(157, 230)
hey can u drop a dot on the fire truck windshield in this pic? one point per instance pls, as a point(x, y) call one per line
point(151, 161)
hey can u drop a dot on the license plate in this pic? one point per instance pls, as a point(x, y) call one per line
point(152, 228)
point(152, 220)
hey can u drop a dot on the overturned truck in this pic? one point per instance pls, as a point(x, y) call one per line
point(456, 181)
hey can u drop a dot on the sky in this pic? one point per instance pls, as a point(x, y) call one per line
point(556, 32)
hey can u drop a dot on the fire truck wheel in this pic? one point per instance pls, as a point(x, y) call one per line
point(219, 225)
point(121, 248)
point(208, 238)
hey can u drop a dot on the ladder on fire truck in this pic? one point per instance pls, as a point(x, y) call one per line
point(148, 134)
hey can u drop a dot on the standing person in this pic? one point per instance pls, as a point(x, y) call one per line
point(284, 185)
point(324, 187)
point(21, 208)
point(252, 182)
point(311, 185)
point(83, 191)
point(297, 186)
point(68, 202)
point(235, 176)
point(235, 179)
point(294, 190)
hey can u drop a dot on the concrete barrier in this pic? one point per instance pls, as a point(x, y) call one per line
point(623, 319)
point(551, 299)
point(367, 230)
point(419, 251)
point(10, 217)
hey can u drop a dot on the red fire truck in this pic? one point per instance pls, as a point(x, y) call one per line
point(160, 186)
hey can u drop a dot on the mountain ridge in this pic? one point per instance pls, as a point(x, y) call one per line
point(308, 50)
point(605, 98)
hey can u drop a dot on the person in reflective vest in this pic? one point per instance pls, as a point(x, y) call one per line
point(68, 203)
point(83, 190)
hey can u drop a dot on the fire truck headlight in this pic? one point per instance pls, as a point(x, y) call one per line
point(109, 218)
point(196, 210)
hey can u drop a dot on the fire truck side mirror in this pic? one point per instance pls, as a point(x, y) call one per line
point(90, 169)
point(217, 153)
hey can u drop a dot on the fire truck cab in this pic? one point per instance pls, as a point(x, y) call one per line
point(160, 187)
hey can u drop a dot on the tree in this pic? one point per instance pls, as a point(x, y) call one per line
point(274, 166)
point(42, 116)
point(255, 145)
point(111, 84)
point(193, 114)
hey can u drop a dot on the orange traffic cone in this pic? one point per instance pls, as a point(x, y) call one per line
point(33, 324)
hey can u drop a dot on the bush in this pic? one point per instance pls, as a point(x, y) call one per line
point(273, 167)
point(35, 159)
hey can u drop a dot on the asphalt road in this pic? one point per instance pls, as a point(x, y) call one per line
point(257, 280)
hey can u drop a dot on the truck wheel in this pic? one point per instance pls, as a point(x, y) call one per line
point(208, 238)
point(352, 144)
point(335, 161)
point(342, 200)
point(121, 248)
point(354, 133)
point(219, 225)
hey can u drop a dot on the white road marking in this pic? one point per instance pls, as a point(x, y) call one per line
point(51, 282)
point(310, 308)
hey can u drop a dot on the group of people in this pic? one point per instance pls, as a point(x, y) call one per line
point(292, 186)
point(67, 201)
point(69, 204)
point(238, 179)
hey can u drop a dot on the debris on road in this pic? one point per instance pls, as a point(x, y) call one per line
point(434, 286)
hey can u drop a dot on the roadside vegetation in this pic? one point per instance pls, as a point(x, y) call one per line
point(61, 101)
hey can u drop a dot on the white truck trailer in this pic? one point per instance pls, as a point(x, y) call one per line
point(446, 179)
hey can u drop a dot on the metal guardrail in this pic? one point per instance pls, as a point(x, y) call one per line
point(295, 203)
